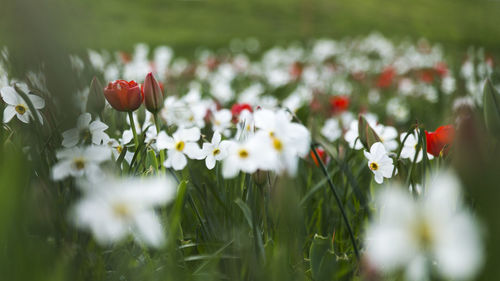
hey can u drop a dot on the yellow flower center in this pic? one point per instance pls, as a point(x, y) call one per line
point(85, 134)
point(373, 166)
point(121, 210)
point(243, 153)
point(423, 233)
point(180, 146)
point(216, 151)
point(21, 109)
point(277, 144)
point(119, 149)
point(79, 163)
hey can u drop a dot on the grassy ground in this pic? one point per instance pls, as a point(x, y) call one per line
point(186, 24)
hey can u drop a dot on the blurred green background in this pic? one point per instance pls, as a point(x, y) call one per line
point(187, 24)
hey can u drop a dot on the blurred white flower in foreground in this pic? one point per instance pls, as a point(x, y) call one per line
point(85, 131)
point(118, 207)
point(433, 233)
point(379, 162)
point(78, 162)
point(215, 150)
point(182, 143)
point(17, 106)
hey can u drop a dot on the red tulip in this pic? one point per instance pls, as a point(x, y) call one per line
point(123, 95)
point(386, 77)
point(440, 140)
point(339, 103)
point(237, 108)
point(153, 93)
point(322, 155)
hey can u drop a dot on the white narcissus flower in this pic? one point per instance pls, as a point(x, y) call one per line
point(331, 130)
point(182, 143)
point(388, 136)
point(248, 156)
point(288, 141)
point(379, 162)
point(221, 121)
point(116, 208)
point(214, 151)
point(85, 130)
point(410, 147)
point(17, 106)
point(79, 162)
point(117, 147)
point(431, 233)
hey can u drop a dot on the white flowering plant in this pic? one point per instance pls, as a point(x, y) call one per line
point(326, 162)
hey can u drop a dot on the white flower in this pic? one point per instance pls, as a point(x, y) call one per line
point(245, 126)
point(410, 147)
point(434, 232)
point(182, 143)
point(117, 147)
point(331, 130)
point(79, 162)
point(221, 121)
point(379, 162)
point(85, 131)
point(214, 151)
point(119, 207)
point(17, 106)
point(287, 140)
point(387, 135)
point(248, 156)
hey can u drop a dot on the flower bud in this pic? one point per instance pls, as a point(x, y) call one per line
point(123, 95)
point(367, 135)
point(153, 94)
point(95, 101)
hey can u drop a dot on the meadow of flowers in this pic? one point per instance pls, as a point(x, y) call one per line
point(331, 160)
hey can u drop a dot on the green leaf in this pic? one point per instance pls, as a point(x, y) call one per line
point(175, 214)
point(491, 108)
point(246, 211)
point(323, 260)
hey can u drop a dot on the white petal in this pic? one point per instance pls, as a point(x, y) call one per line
point(178, 160)
point(148, 229)
point(97, 153)
point(84, 120)
point(8, 113)
point(216, 138)
point(24, 117)
point(9, 95)
point(163, 141)
point(192, 134)
point(97, 126)
point(210, 162)
point(61, 170)
point(70, 137)
point(37, 101)
point(193, 151)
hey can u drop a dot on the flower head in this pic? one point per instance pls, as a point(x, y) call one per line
point(379, 162)
point(215, 150)
point(123, 95)
point(153, 94)
point(17, 106)
point(118, 207)
point(440, 140)
point(433, 233)
point(181, 144)
point(79, 162)
point(85, 131)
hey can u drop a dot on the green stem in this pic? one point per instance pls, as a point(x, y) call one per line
point(132, 124)
point(162, 152)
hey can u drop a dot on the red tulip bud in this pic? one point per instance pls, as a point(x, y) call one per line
point(153, 94)
point(123, 95)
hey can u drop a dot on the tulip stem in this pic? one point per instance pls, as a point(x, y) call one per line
point(132, 124)
point(162, 152)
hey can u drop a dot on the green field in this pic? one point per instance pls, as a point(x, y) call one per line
point(187, 24)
